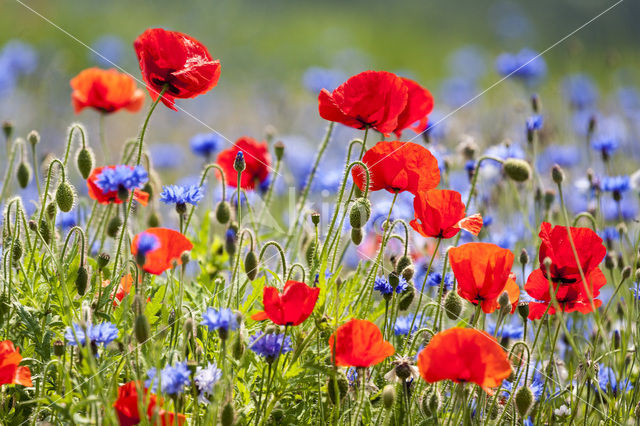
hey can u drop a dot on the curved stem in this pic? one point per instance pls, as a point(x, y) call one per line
point(585, 215)
point(77, 230)
point(80, 128)
point(292, 269)
point(202, 180)
point(283, 259)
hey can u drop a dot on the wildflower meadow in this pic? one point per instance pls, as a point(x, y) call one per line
point(422, 261)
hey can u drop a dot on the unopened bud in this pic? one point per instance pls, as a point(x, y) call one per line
point(141, 328)
point(153, 221)
point(23, 174)
point(610, 260)
point(360, 212)
point(524, 257)
point(228, 416)
point(58, 348)
point(406, 297)
point(278, 147)
point(65, 196)
point(81, 280)
point(356, 236)
point(338, 386)
point(452, 305)
point(113, 226)
point(223, 212)
point(7, 129)
point(103, 260)
point(239, 164)
point(505, 303)
point(33, 137)
point(516, 169)
point(251, 265)
point(315, 218)
point(547, 262)
point(84, 162)
point(524, 401)
point(388, 397)
point(523, 310)
point(557, 174)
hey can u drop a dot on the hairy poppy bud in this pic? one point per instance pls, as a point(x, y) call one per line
point(81, 280)
point(58, 348)
point(394, 280)
point(557, 174)
point(524, 400)
point(360, 212)
point(103, 260)
point(239, 164)
point(45, 231)
point(388, 397)
point(406, 297)
point(356, 236)
point(524, 257)
point(238, 347)
point(153, 220)
point(407, 273)
point(626, 272)
point(141, 328)
point(148, 188)
point(339, 384)
point(51, 210)
point(430, 402)
point(251, 265)
point(315, 218)
point(278, 148)
point(84, 162)
point(23, 174)
point(452, 305)
point(223, 212)
point(610, 260)
point(16, 251)
point(403, 263)
point(137, 306)
point(113, 226)
point(33, 137)
point(7, 129)
point(228, 416)
point(32, 225)
point(516, 169)
point(65, 196)
point(505, 303)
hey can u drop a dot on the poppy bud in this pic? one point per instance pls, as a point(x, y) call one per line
point(84, 162)
point(524, 257)
point(141, 328)
point(153, 221)
point(238, 347)
point(408, 272)
point(388, 396)
point(16, 251)
point(403, 262)
point(50, 210)
point(547, 262)
point(103, 260)
point(524, 400)
point(58, 348)
point(123, 194)
point(557, 174)
point(228, 416)
point(113, 226)
point(516, 169)
point(549, 197)
point(148, 188)
point(360, 212)
point(315, 218)
point(23, 174)
point(610, 260)
point(356, 236)
point(626, 272)
point(239, 164)
point(394, 280)
point(45, 231)
point(231, 237)
point(7, 129)
point(65, 196)
point(406, 297)
point(278, 148)
point(81, 280)
point(251, 265)
point(32, 225)
point(189, 328)
point(223, 212)
point(452, 305)
point(340, 384)
point(523, 310)
point(137, 306)
point(505, 303)
point(430, 403)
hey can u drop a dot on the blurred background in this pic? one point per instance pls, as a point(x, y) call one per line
point(276, 56)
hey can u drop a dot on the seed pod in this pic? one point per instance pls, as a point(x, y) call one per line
point(452, 305)
point(84, 162)
point(406, 297)
point(388, 396)
point(114, 226)
point(7, 129)
point(356, 236)
point(523, 310)
point(251, 265)
point(23, 174)
point(65, 196)
point(516, 169)
point(524, 257)
point(228, 416)
point(223, 212)
point(342, 385)
point(81, 280)
point(360, 212)
point(315, 218)
point(524, 400)
point(141, 328)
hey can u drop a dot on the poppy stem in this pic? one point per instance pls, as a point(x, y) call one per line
point(223, 185)
point(424, 282)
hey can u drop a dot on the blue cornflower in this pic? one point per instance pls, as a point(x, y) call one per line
point(605, 145)
point(121, 177)
point(173, 378)
point(181, 194)
point(636, 290)
point(580, 91)
point(18, 58)
point(607, 381)
point(566, 156)
point(206, 378)
point(534, 122)
point(146, 243)
point(352, 376)
point(526, 65)
point(205, 144)
point(615, 183)
point(507, 331)
point(382, 285)
point(456, 91)
point(269, 345)
point(401, 327)
point(110, 50)
point(468, 62)
point(67, 220)
point(222, 320)
point(315, 79)
point(166, 156)
point(103, 334)
point(435, 279)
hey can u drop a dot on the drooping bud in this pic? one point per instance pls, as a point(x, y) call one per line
point(228, 416)
point(251, 265)
point(557, 174)
point(23, 174)
point(452, 305)
point(45, 231)
point(356, 236)
point(430, 402)
point(278, 148)
point(84, 162)
point(517, 169)
point(524, 257)
point(610, 260)
point(153, 220)
point(403, 263)
point(524, 401)
point(360, 212)
point(141, 328)
point(407, 273)
point(626, 272)
point(82, 278)
point(223, 212)
point(239, 164)
point(406, 297)
point(394, 280)
point(113, 226)
point(505, 303)
point(33, 137)
point(388, 396)
point(65, 196)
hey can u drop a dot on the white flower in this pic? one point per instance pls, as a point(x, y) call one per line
point(563, 411)
point(207, 377)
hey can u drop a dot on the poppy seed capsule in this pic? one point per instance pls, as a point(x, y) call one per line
point(523, 310)
point(452, 305)
point(114, 226)
point(141, 328)
point(84, 162)
point(524, 257)
point(505, 303)
point(7, 129)
point(524, 400)
point(65, 196)
point(251, 265)
point(557, 174)
point(406, 297)
point(516, 169)
point(356, 236)
point(360, 212)
point(341, 384)
point(58, 348)
point(223, 212)
point(81, 280)
point(278, 148)
point(103, 260)
point(315, 218)
point(388, 396)
point(23, 174)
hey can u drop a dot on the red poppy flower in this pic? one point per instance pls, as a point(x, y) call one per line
point(110, 197)
point(370, 99)
point(175, 59)
point(105, 91)
point(482, 271)
point(440, 213)
point(291, 307)
point(398, 166)
point(419, 105)
point(359, 343)
point(464, 355)
point(257, 160)
point(172, 245)
point(126, 407)
point(10, 371)
point(572, 294)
